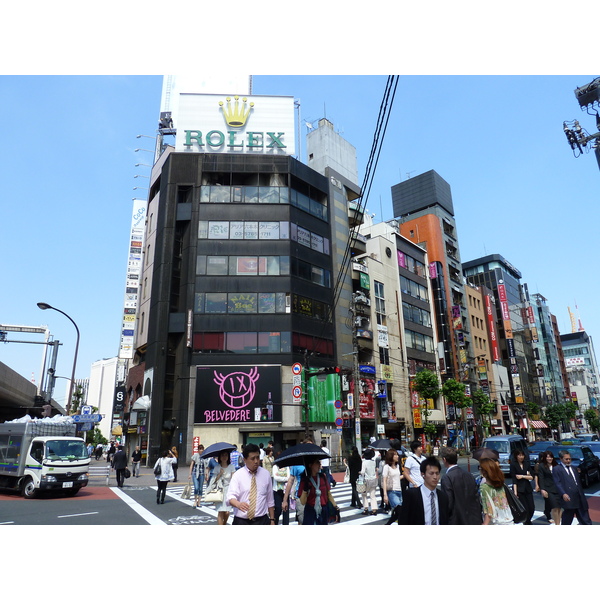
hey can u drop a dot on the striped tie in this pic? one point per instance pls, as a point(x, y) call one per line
point(433, 511)
point(252, 498)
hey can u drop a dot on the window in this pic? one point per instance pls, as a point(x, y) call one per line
point(241, 342)
point(380, 303)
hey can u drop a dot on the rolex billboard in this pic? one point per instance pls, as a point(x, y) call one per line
point(226, 124)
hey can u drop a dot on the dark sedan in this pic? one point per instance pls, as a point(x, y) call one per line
point(537, 447)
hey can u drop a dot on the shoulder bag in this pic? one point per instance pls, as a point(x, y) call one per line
point(361, 486)
point(215, 492)
point(519, 512)
point(157, 469)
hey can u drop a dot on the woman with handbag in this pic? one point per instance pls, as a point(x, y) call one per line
point(494, 501)
point(220, 486)
point(369, 474)
point(163, 472)
point(196, 475)
point(315, 495)
point(392, 480)
point(521, 476)
point(354, 465)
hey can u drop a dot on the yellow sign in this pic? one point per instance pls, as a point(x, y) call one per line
point(417, 418)
point(519, 400)
point(387, 373)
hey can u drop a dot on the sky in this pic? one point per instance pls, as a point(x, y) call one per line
point(70, 176)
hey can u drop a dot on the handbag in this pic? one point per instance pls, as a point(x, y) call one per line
point(347, 476)
point(333, 513)
point(187, 492)
point(519, 512)
point(361, 486)
point(127, 473)
point(214, 493)
point(157, 469)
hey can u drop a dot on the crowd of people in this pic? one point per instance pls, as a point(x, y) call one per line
point(412, 490)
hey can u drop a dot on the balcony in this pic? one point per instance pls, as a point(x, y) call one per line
point(356, 215)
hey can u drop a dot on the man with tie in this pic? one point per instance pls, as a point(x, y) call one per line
point(571, 493)
point(425, 505)
point(251, 491)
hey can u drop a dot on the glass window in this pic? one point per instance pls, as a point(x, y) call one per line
point(268, 195)
point(220, 193)
point(236, 230)
point(201, 265)
point(284, 230)
point(216, 265)
point(284, 195)
point(216, 302)
point(242, 303)
point(269, 230)
point(284, 265)
point(269, 342)
point(266, 303)
point(199, 302)
point(241, 342)
point(243, 265)
point(251, 230)
point(236, 194)
point(272, 265)
point(218, 230)
point(203, 230)
point(209, 341)
point(205, 193)
point(303, 202)
point(281, 302)
point(251, 194)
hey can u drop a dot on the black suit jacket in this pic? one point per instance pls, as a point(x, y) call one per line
point(413, 513)
point(565, 485)
point(464, 503)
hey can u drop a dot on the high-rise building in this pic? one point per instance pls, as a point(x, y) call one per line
point(237, 309)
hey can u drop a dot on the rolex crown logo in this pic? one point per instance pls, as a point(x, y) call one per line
point(236, 114)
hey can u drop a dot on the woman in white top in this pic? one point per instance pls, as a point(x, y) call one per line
point(280, 478)
point(166, 474)
point(391, 478)
point(223, 475)
point(369, 473)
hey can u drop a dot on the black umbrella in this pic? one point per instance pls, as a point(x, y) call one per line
point(299, 454)
point(381, 445)
point(216, 449)
point(481, 453)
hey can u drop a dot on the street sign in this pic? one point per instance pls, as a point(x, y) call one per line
point(297, 392)
point(96, 418)
point(86, 409)
point(338, 404)
point(296, 380)
point(296, 368)
point(339, 422)
point(350, 400)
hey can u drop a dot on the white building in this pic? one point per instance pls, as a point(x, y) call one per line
point(101, 391)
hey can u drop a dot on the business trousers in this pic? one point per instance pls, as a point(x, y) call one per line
point(582, 514)
point(264, 520)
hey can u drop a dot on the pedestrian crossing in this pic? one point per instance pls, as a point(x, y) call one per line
point(342, 493)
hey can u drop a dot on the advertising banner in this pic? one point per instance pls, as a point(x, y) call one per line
point(231, 394)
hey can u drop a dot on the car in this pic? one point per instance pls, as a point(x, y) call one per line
point(505, 445)
point(584, 459)
point(535, 448)
point(594, 447)
point(587, 437)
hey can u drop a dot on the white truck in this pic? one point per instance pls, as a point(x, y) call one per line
point(40, 455)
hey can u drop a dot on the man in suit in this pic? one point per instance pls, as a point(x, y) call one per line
point(571, 493)
point(464, 504)
point(425, 505)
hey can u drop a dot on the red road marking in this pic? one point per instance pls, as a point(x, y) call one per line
point(87, 493)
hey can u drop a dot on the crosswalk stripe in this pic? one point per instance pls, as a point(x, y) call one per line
point(342, 493)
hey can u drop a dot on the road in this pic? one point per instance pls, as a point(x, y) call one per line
point(135, 504)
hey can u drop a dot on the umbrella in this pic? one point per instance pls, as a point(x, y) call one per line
point(298, 454)
point(216, 449)
point(381, 445)
point(486, 453)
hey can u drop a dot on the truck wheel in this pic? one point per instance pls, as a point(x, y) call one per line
point(28, 489)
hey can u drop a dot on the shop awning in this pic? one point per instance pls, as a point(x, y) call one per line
point(142, 403)
point(538, 425)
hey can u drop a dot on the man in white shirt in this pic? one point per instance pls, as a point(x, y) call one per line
point(412, 466)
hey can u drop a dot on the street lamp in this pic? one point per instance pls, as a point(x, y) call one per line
point(143, 150)
point(45, 306)
point(142, 165)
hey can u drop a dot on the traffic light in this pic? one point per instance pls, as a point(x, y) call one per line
point(264, 413)
point(328, 370)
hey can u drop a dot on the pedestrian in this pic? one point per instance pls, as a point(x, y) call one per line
point(268, 460)
point(99, 451)
point(136, 458)
point(110, 453)
point(464, 504)
point(176, 455)
point(354, 464)
point(196, 476)
point(166, 474)
point(522, 476)
point(236, 458)
point(568, 484)
point(119, 465)
point(290, 496)
point(391, 480)
point(280, 479)
point(261, 450)
point(90, 449)
point(494, 502)
point(315, 494)
point(547, 487)
point(222, 479)
point(326, 464)
point(369, 474)
point(425, 505)
point(380, 463)
point(211, 465)
point(412, 465)
point(250, 491)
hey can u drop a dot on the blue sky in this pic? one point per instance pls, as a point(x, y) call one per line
point(69, 178)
